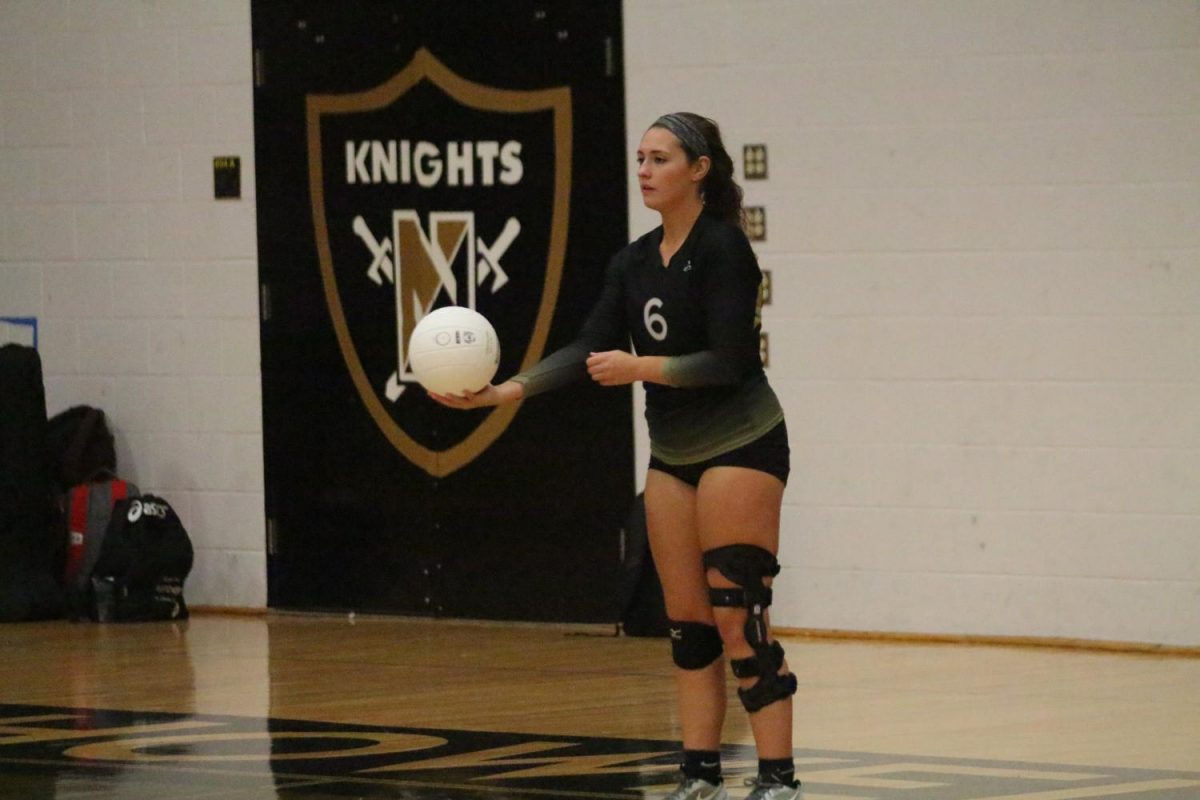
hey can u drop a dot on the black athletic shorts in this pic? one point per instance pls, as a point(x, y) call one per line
point(768, 453)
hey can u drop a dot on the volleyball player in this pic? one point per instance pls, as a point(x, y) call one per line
point(688, 294)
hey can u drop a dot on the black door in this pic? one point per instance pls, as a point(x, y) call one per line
point(412, 155)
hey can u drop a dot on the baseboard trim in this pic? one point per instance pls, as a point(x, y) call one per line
point(230, 611)
point(898, 637)
point(981, 640)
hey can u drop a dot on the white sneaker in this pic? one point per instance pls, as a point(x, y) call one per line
point(697, 789)
point(772, 791)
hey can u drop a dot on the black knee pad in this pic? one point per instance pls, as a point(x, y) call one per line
point(748, 566)
point(694, 645)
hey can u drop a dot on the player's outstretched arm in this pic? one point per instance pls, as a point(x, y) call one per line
point(490, 395)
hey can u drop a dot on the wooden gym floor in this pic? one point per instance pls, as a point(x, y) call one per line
point(322, 707)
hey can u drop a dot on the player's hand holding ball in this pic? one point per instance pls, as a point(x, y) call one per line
point(454, 353)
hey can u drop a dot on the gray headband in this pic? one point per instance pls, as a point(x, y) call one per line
point(685, 131)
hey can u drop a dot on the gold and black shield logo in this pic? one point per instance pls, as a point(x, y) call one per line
point(431, 190)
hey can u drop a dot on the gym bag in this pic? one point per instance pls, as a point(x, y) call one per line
point(88, 514)
point(641, 610)
point(29, 547)
point(144, 560)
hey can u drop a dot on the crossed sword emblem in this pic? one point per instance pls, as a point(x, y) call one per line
point(488, 263)
point(383, 265)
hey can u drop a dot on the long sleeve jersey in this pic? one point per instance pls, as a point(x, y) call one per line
point(702, 311)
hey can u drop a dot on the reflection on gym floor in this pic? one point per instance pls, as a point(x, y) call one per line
point(287, 706)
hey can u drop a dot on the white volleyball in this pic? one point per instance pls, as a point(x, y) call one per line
point(453, 350)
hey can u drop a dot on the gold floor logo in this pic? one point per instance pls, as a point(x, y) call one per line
point(38, 743)
point(442, 191)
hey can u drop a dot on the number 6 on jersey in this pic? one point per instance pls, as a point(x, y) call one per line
point(656, 324)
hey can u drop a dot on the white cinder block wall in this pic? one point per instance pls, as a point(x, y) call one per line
point(983, 231)
point(144, 286)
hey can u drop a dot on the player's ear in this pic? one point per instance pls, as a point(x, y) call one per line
point(700, 168)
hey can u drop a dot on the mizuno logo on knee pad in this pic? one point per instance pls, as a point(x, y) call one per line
point(694, 645)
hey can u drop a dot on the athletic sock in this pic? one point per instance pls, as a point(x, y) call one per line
point(702, 764)
point(777, 770)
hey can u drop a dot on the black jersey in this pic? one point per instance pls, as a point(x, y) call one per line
point(701, 310)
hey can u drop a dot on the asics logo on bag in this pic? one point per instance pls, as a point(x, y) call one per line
point(138, 509)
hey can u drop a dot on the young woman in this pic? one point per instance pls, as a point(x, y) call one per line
point(688, 295)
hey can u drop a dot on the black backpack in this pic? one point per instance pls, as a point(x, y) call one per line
point(145, 558)
point(80, 447)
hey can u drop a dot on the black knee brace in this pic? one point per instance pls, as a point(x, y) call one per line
point(694, 645)
point(747, 565)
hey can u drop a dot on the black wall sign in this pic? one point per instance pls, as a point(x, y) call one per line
point(227, 177)
point(412, 155)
